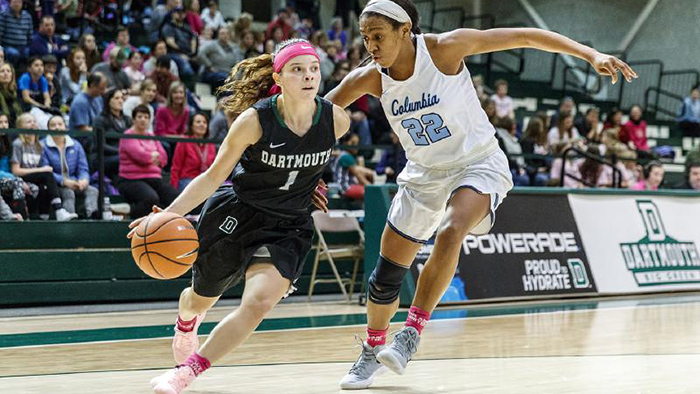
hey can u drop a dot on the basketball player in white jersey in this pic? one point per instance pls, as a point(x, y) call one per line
point(456, 174)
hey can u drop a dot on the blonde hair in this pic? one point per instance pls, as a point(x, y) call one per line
point(147, 84)
point(174, 86)
point(20, 123)
point(12, 86)
point(250, 81)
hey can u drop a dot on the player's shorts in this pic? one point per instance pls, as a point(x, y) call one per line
point(233, 235)
point(420, 204)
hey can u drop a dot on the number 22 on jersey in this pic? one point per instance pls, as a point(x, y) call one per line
point(427, 130)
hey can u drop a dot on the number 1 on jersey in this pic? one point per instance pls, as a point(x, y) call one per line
point(290, 180)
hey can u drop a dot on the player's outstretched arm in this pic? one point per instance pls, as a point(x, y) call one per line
point(341, 121)
point(360, 81)
point(466, 42)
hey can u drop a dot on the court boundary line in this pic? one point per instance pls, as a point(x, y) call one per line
point(609, 308)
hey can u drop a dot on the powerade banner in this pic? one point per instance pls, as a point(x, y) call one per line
point(533, 249)
point(641, 244)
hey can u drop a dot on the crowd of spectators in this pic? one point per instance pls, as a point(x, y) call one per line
point(61, 70)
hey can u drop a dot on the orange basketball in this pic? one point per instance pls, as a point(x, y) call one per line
point(165, 245)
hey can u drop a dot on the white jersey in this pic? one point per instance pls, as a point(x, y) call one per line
point(437, 117)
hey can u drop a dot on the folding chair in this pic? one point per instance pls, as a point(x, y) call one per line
point(336, 221)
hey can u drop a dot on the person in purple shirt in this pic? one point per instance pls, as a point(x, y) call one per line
point(46, 42)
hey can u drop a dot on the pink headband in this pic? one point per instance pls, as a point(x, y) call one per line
point(292, 51)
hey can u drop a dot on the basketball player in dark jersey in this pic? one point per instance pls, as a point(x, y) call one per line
point(259, 229)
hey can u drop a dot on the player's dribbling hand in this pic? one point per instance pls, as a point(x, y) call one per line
point(610, 65)
point(133, 225)
point(318, 198)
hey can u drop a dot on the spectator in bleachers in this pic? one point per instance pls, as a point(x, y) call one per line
point(692, 177)
point(592, 170)
point(159, 17)
point(504, 103)
point(627, 164)
point(218, 126)
point(218, 58)
point(74, 75)
point(480, 87)
point(590, 126)
point(123, 42)
point(159, 49)
point(340, 70)
point(140, 168)
point(192, 8)
point(2, 55)
point(147, 97)
point(163, 79)
point(489, 107)
point(355, 56)
point(349, 171)
point(10, 104)
point(393, 160)
point(12, 188)
point(613, 120)
point(206, 38)
point(191, 159)
point(181, 40)
point(564, 131)
point(87, 105)
point(89, 46)
point(567, 106)
point(689, 119)
point(634, 132)
point(171, 119)
point(33, 86)
point(337, 32)
point(542, 115)
point(133, 68)
point(653, 177)
point(282, 21)
point(16, 28)
point(51, 75)
point(305, 28)
point(70, 169)
point(112, 120)
point(247, 45)
point(242, 24)
point(212, 17)
point(26, 163)
point(572, 167)
point(511, 147)
point(113, 69)
point(534, 142)
point(46, 42)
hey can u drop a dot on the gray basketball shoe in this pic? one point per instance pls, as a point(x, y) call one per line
point(402, 348)
point(365, 369)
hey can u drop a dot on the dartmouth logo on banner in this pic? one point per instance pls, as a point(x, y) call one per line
point(659, 259)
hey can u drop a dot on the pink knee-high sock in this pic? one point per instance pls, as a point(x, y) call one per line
point(198, 363)
point(376, 337)
point(417, 318)
point(185, 325)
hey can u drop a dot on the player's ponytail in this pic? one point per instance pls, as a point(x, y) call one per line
point(249, 81)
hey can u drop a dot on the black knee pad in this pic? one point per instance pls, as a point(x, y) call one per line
point(385, 281)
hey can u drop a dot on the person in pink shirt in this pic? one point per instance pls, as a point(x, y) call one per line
point(171, 120)
point(123, 41)
point(653, 177)
point(191, 159)
point(634, 132)
point(192, 16)
point(140, 168)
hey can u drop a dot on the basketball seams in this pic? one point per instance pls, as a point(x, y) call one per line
point(145, 229)
point(165, 241)
point(145, 246)
point(168, 258)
